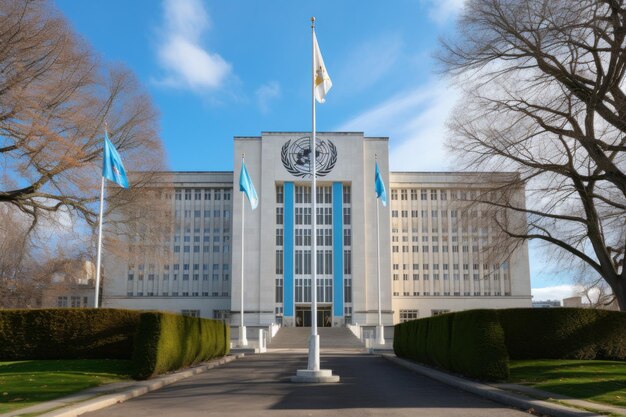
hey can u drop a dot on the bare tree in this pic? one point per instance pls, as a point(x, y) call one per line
point(55, 98)
point(544, 96)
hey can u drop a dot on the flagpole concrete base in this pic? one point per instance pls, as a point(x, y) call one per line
point(243, 339)
point(315, 377)
point(314, 352)
point(380, 335)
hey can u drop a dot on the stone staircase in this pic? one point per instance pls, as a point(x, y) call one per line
point(330, 338)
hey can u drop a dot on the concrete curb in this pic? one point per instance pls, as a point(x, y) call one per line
point(493, 393)
point(123, 392)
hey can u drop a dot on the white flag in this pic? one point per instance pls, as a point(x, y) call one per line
point(322, 80)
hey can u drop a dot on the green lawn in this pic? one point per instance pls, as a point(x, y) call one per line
point(26, 383)
point(599, 381)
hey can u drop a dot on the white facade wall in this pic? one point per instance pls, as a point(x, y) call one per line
point(218, 294)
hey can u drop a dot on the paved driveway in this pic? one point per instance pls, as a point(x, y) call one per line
point(259, 386)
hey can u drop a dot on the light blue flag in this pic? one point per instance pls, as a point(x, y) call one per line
point(245, 185)
point(112, 167)
point(380, 187)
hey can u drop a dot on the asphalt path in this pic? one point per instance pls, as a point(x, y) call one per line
point(259, 385)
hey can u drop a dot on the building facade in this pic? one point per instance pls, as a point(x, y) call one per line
point(413, 258)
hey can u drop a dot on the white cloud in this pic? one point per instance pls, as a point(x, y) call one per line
point(415, 123)
point(368, 63)
point(555, 292)
point(185, 62)
point(266, 93)
point(440, 11)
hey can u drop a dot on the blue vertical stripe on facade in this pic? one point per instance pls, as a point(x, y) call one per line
point(337, 249)
point(288, 232)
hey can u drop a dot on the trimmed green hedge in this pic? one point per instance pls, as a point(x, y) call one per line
point(564, 333)
point(156, 342)
point(166, 342)
point(477, 346)
point(470, 343)
point(438, 340)
point(479, 343)
point(64, 333)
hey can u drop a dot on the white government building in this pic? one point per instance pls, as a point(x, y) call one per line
point(431, 261)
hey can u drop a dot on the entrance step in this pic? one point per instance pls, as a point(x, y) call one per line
point(330, 338)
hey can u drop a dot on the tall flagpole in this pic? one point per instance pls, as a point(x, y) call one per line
point(313, 373)
point(99, 256)
point(243, 340)
point(379, 329)
point(314, 342)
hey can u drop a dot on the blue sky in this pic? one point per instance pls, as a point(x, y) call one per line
point(218, 69)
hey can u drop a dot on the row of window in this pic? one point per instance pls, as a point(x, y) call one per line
point(176, 267)
point(177, 294)
point(185, 277)
point(206, 249)
point(435, 248)
point(188, 214)
point(446, 277)
point(202, 194)
point(454, 214)
point(406, 315)
point(324, 194)
point(324, 237)
point(324, 262)
point(449, 294)
point(424, 194)
point(72, 301)
point(445, 267)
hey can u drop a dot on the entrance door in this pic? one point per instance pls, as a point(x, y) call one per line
point(303, 316)
point(324, 318)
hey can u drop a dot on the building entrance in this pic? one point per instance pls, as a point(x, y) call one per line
point(303, 316)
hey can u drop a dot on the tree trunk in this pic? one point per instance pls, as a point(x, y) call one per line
point(620, 294)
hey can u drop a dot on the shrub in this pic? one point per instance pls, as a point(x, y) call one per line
point(564, 333)
point(67, 334)
point(166, 342)
point(421, 327)
point(438, 340)
point(400, 339)
point(477, 346)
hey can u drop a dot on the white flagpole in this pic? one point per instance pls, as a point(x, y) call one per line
point(243, 340)
point(99, 256)
point(380, 329)
point(314, 342)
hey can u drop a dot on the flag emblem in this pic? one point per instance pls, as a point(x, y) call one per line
point(322, 79)
point(246, 185)
point(112, 167)
point(379, 186)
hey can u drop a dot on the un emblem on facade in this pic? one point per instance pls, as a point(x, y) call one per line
point(296, 157)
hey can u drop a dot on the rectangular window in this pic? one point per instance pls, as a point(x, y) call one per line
point(279, 262)
point(346, 194)
point(346, 215)
point(347, 262)
point(279, 194)
point(406, 315)
point(279, 290)
point(347, 237)
point(279, 215)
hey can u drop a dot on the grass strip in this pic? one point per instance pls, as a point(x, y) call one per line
point(26, 383)
point(593, 380)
